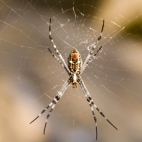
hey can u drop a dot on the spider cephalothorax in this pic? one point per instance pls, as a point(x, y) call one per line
point(74, 64)
point(74, 70)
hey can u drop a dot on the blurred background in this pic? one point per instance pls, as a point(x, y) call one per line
point(30, 77)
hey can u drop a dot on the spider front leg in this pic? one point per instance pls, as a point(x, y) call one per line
point(53, 103)
point(57, 51)
point(89, 59)
point(58, 60)
point(91, 48)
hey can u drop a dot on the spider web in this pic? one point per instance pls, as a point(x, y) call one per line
point(30, 77)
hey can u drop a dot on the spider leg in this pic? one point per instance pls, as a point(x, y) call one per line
point(56, 99)
point(91, 48)
point(90, 100)
point(53, 106)
point(102, 114)
point(57, 51)
point(58, 60)
point(42, 112)
point(100, 37)
point(95, 119)
point(90, 104)
point(89, 59)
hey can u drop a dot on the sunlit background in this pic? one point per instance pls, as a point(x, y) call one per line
point(30, 77)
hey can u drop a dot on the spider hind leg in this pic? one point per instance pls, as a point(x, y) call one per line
point(53, 103)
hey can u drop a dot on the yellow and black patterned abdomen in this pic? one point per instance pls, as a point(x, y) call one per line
point(74, 62)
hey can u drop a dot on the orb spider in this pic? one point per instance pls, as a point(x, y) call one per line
point(74, 70)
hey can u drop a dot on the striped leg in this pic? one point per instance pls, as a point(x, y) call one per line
point(90, 100)
point(89, 59)
point(103, 114)
point(91, 107)
point(55, 47)
point(55, 100)
point(95, 119)
point(58, 60)
point(91, 48)
point(53, 106)
point(42, 112)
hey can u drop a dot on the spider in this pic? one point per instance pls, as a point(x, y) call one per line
point(74, 70)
